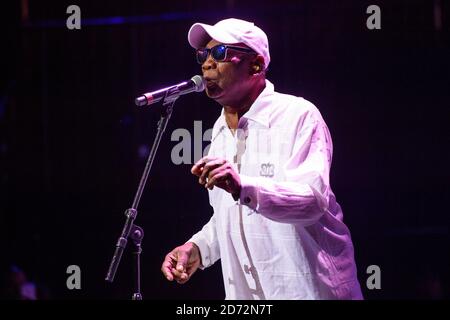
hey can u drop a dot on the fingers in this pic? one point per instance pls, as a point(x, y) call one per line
point(176, 265)
point(209, 167)
point(196, 170)
point(217, 179)
point(180, 277)
point(198, 166)
point(167, 267)
point(182, 260)
point(185, 276)
point(218, 172)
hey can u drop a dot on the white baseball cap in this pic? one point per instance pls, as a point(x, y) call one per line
point(230, 31)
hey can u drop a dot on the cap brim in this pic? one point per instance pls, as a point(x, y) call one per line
point(200, 34)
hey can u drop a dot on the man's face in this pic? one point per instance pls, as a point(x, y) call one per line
point(227, 81)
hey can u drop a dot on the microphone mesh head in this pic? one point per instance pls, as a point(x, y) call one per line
point(199, 83)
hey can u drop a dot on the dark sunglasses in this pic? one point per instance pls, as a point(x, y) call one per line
point(218, 53)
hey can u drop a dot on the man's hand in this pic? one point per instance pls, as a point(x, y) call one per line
point(218, 172)
point(181, 263)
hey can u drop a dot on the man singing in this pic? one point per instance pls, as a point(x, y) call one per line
point(276, 228)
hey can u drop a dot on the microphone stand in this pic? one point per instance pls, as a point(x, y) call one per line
point(131, 230)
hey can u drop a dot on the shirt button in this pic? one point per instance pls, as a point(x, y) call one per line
point(247, 200)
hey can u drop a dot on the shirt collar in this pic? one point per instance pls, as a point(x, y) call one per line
point(259, 111)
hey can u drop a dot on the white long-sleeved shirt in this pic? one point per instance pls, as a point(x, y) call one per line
point(285, 237)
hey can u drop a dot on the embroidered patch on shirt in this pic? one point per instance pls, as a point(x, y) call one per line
point(267, 170)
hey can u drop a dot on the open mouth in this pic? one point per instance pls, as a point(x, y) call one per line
point(210, 84)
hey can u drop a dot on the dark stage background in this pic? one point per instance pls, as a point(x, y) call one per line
point(73, 144)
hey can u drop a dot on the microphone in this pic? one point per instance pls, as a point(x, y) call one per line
point(195, 84)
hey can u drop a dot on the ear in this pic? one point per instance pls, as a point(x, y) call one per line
point(256, 68)
point(257, 65)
